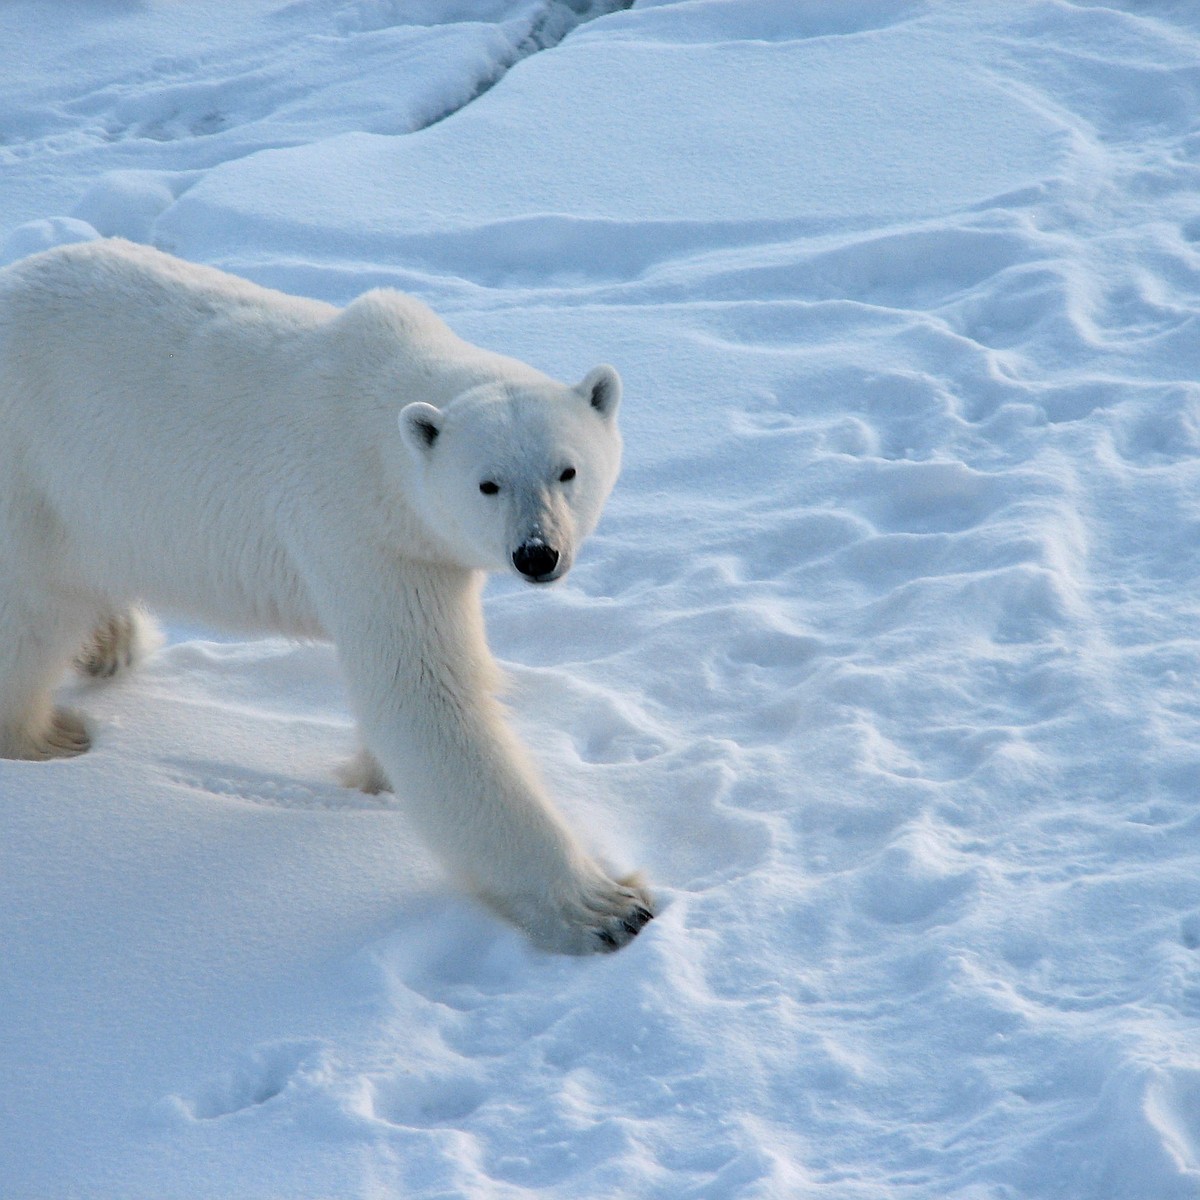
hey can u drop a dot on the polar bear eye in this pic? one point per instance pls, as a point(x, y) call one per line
point(567, 475)
point(489, 487)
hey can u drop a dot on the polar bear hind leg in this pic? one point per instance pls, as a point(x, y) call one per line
point(37, 640)
point(364, 774)
point(118, 642)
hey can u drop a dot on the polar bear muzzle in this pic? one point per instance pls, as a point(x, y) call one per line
point(536, 561)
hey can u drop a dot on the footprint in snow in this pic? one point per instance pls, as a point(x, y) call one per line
point(411, 1100)
point(264, 1075)
point(913, 882)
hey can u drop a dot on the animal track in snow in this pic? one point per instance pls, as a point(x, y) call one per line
point(271, 791)
point(931, 497)
point(1189, 931)
point(265, 1074)
point(917, 878)
point(409, 1099)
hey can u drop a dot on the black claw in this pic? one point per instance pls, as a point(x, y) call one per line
point(607, 940)
point(633, 925)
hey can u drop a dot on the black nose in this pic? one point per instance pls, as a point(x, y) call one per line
point(535, 560)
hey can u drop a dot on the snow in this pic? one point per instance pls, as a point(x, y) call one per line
point(882, 663)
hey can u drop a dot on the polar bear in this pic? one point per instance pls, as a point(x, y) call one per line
point(176, 436)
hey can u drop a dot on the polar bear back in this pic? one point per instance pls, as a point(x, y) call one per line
point(142, 396)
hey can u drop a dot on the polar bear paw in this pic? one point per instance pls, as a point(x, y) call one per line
point(62, 735)
point(627, 911)
point(117, 643)
point(364, 774)
point(601, 916)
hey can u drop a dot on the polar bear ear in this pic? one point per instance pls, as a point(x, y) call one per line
point(420, 425)
point(601, 387)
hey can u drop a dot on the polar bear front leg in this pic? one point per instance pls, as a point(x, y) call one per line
point(428, 716)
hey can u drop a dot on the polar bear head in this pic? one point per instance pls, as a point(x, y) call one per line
point(512, 476)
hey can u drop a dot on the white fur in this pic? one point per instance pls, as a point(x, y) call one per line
point(174, 435)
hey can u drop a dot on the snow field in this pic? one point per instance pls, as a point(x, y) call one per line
point(882, 663)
